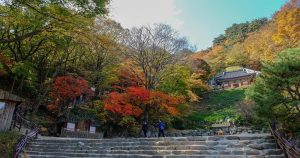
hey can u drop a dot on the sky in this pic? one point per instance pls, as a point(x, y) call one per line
point(198, 20)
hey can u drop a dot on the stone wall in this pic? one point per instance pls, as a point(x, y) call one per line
point(80, 134)
point(204, 132)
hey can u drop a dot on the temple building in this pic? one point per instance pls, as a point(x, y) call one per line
point(234, 79)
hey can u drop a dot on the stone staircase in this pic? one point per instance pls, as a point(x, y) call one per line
point(229, 146)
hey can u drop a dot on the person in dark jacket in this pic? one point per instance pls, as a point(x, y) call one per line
point(145, 128)
point(161, 127)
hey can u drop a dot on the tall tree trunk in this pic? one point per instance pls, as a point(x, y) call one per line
point(13, 85)
point(41, 98)
point(21, 84)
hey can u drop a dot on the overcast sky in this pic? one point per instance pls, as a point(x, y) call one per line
point(199, 20)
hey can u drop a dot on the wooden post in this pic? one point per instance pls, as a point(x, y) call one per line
point(20, 126)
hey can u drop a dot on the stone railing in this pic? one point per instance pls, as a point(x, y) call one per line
point(80, 134)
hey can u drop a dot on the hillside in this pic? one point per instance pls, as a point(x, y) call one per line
point(219, 106)
point(252, 43)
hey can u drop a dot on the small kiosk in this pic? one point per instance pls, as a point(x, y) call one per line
point(8, 104)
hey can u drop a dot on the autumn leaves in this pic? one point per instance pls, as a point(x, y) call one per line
point(134, 99)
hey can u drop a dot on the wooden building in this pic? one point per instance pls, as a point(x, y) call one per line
point(234, 79)
point(8, 104)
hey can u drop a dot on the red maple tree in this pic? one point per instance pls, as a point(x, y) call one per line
point(69, 87)
point(66, 88)
point(167, 102)
point(127, 79)
point(134, 99)
point(139, 95)
point(117, 103)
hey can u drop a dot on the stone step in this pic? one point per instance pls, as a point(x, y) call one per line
point(79, 144)
point(163, 152)
point(208, 144)
point(192, 138)
point(152, 142)
point(155, 147)
point(180, 147)
point(130, 142)
point(154, 156)
point(142, 141)
point(262, 145)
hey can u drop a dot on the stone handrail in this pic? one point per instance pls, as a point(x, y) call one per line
point(290, 149)
point(25, 138)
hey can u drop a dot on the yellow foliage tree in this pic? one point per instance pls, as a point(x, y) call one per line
point(288, 25)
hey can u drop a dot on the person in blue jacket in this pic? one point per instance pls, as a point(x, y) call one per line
point(161, 127)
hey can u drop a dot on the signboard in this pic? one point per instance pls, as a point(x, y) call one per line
point(92, 129)
point(71, 126)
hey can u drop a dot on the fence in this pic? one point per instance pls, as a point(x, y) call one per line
point(18, 119)
point(290, 150)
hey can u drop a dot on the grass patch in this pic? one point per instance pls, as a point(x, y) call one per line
point(7, 141)
point(221, 105)
point(225, 99)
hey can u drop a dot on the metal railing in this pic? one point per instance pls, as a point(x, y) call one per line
point(25, 138)
point(290, 150)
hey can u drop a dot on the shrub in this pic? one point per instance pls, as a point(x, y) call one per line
point(7, 142)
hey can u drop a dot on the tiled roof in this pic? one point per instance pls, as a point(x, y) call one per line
point(235, 74)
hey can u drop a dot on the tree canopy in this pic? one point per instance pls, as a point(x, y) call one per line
point(277, 91)
point(54, 52)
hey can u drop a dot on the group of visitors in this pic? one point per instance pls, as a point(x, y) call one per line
point(160, 126)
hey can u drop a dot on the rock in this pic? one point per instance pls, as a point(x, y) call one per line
point(269, 146)
point(224, 152)
point(252, 152)
point(274, 152)
point(43, 129)
point(256, 146)
point(245, 142)
point(81, 143)
point(237, 152)
point(219, 147)
point(215, 138)
point(235, 146)
point(230, 137)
